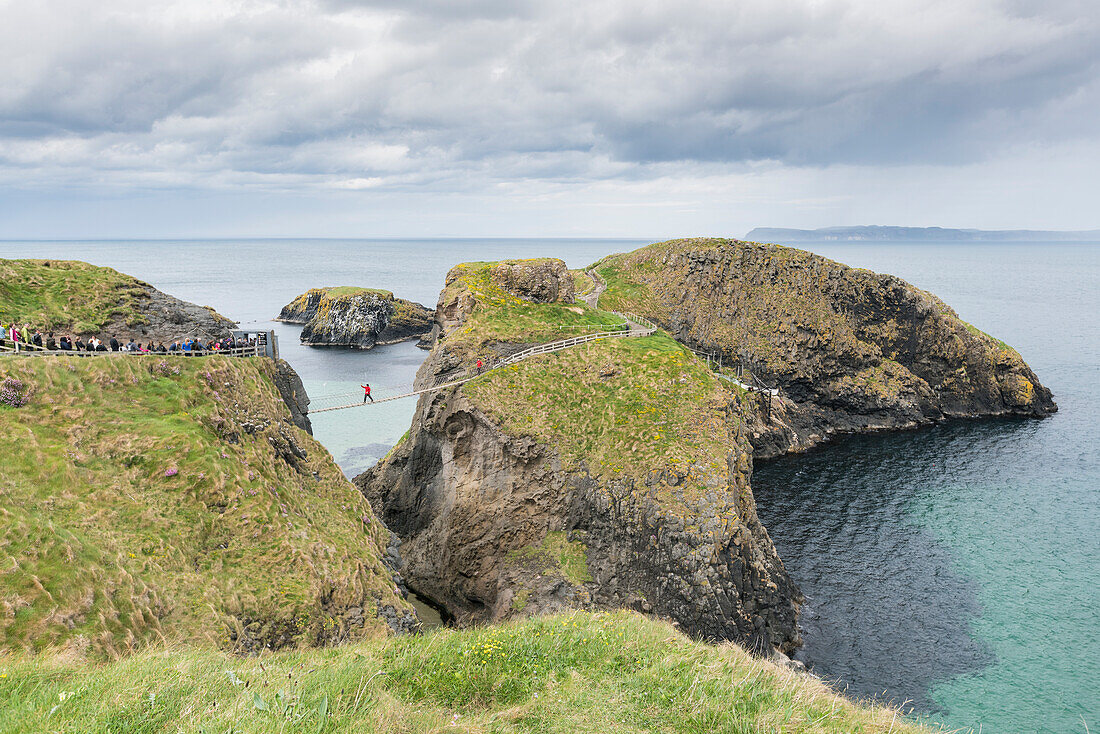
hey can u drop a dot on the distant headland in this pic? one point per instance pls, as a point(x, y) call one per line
point(902, 234)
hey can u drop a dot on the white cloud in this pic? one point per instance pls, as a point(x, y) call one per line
point(495, 95)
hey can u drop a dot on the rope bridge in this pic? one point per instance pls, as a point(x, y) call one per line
point(637, 327)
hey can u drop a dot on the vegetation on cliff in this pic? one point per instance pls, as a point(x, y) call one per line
point(850, 349)
point(620, 408)
point(146, 500)
point(78, 298)
point(477, 307)
point(52, 294)
point(631, 448)
point(567, 673)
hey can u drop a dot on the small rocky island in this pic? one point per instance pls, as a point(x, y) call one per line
point(359, 318)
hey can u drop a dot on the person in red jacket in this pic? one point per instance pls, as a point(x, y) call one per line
point(366, 392)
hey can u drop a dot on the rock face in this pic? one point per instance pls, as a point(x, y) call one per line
point(356, 317)
point(545, 280)
point(849, 349)
point(293, 393)
point(168, 318)
point(495, 521)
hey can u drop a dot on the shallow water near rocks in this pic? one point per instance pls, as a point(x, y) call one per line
point(956, 567)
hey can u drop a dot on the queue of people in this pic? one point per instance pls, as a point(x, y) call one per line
point(29, 338)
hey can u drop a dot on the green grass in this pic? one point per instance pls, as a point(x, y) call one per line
point(67, 295)
point(582, 282)
point(978, 332)
point(622, 294)
point(501, 316)
point(621, 407)
point(555, 554)
point(569, 673)
point(352, 290)
point(140, 504)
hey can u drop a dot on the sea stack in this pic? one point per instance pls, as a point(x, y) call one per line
point(359, 318)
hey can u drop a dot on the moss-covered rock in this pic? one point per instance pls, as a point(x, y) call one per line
point(849, 349)
point(356, 317)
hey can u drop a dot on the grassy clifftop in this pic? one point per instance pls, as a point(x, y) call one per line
point(145, 500)
point(52, 294)
point(567, 673)
point(853, 342)
point(631, 407)
point(81, 299)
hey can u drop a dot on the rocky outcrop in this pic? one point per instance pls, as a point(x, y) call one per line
point(356, 317)
point(293, 393)
point(849, 349)
point(543, 280)
point(496, 522)
point(167, 318)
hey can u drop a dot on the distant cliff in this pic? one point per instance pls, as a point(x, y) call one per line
point(356, 317)
point(849, 349)
point(918, 234)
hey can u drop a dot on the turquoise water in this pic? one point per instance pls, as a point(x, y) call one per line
point(957, 568)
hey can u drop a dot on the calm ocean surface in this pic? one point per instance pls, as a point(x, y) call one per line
point(957, 568)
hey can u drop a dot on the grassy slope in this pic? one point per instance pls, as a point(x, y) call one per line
point(505, 317)
point(51, 294)
point(569, 673)
point(99, 546)
point(771, 307)
point(624, 407)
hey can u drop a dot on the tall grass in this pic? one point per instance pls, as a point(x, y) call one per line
point(578, 672)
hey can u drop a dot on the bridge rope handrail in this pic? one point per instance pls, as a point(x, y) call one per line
point(644, 328)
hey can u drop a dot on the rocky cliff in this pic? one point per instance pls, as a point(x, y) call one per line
point(613, 474)
point(356, 317)
point(849, 349)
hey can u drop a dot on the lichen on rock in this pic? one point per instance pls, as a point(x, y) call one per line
point(356, 317)
point(849, 349)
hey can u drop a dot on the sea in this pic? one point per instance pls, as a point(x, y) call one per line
point(952, 570)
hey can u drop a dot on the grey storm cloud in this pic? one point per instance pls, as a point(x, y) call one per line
point(419, 91)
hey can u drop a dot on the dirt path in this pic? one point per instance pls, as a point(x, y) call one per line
point(592, 298)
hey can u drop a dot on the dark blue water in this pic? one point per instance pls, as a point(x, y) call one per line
point(957, 568)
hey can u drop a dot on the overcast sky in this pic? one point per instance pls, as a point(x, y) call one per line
point(135, 118)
